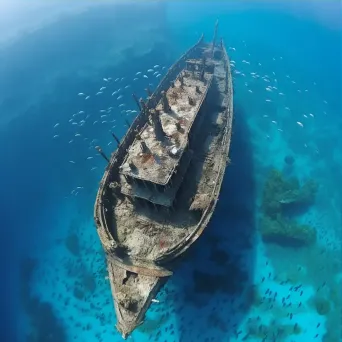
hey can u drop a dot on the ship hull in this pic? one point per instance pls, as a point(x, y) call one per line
point(136, 276)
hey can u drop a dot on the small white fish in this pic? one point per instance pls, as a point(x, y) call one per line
point(99, 92)
point(70, 141)
point(88, 158)
point(134, 111)
point(265, 116)
point(145, 76)
point(158, 75)
point(280, 130)
point(311, 115)
point(57, 124)
point(109, 143)
point(127, 86)
point(155, 300)
point(70, 120)
point(87, 97)
point(287, 108)
point(119, 97)
point(80, 94)
point(250, 91)
point(114, 93)
point(104, 121)
point(138, 73)
point(102, 88)
point(55, 136)
point(95, 122)
point(267, 100)
point(156, 66)
point(275, 122)
point(74, 123)
point(135, 79)
point(163, 67)
point(81, 112)
point(150, 70)
point(80, 187)
point(117, 79)
point(93, 168)
point(102, 110)
point(305, 116)
point(282, 94)
point(103, 116)
point(77, 135)
point(122, 78)
point(72, 162)
point(122, 105)
point(105, 79)
point(300, 124)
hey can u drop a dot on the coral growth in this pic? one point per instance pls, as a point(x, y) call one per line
point(322, 305)
point(286, 232)
point(279, 195)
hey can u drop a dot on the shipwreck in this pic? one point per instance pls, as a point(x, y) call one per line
point(161, 185)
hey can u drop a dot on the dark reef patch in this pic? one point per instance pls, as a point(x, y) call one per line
point(45, 326)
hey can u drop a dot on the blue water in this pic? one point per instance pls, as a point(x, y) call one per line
point(53, 284)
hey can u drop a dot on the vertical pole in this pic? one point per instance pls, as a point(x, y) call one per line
point(214, 39)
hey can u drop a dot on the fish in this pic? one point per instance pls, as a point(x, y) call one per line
point(102, 88)
point(122, 105)
point(158, 75)
point(77, 135)
point(275, 122)
point(117, 79)
point(95, 122)
point(150, 70)
point(114, 93)
point(138, 73)
point(135, 79)
point(70, 141)
point(80, 94)
point(145, 76)
point(55, 136)
point(56, 125)
point(87, 97)
point(156, 66)
point(72, 162)
point(88, 158)
point(127, 86)
point(105, 79)
point(93, 168)
point(267, 100)
point(300, 124)
point(311, 115)
point(99, 92)
point(119, 97)
point(81, 112)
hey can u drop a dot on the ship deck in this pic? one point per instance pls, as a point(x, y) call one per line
point(158, 165)
point(147, 232)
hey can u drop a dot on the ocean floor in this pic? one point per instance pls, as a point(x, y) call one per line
point(243, 280)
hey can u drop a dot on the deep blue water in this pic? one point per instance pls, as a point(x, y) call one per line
point(46, 199)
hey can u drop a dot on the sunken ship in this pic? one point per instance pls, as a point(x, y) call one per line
point(161, 185)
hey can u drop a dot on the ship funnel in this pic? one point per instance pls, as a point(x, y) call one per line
point(158, 128)
point(99, 149)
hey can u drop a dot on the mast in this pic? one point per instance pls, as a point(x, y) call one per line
point(214, 39)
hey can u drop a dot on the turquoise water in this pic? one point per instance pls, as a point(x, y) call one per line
point(232, 285)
